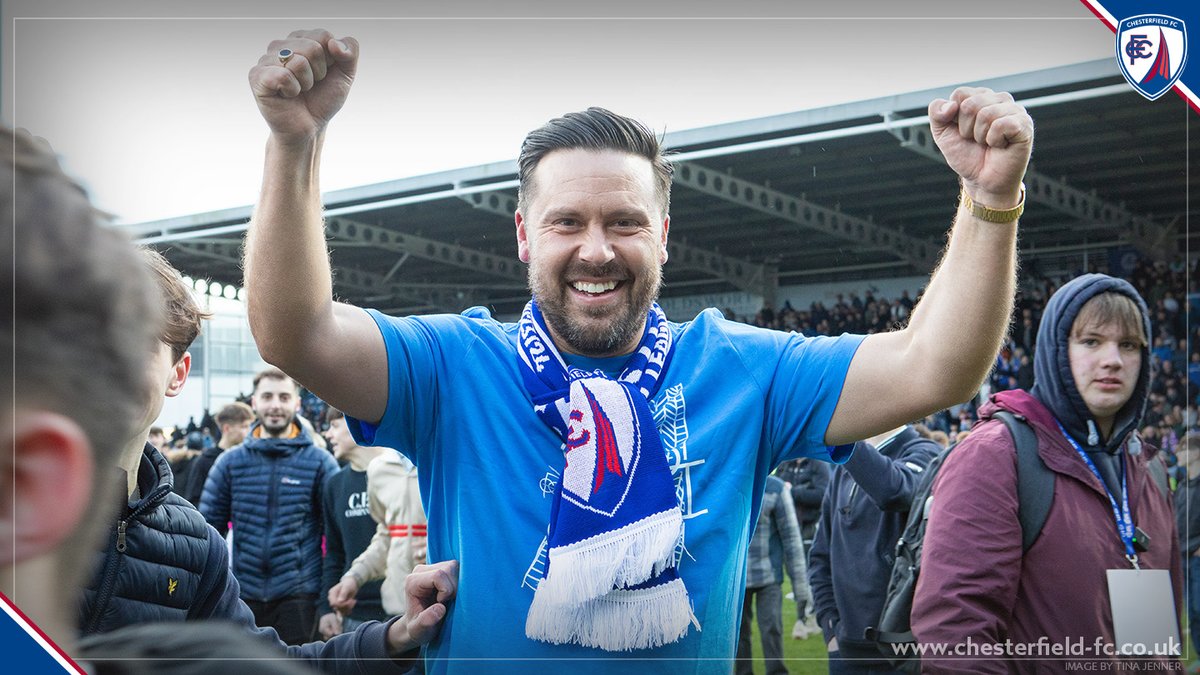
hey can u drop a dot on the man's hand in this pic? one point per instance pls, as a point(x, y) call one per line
point(986, 138)
point(341, 595)
point(330, 625)
point(299, 97)
point(427, 591)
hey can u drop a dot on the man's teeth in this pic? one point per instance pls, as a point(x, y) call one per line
point(587, 287)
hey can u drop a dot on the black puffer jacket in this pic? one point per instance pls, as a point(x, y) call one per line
point(163, 563)
point(156, 553)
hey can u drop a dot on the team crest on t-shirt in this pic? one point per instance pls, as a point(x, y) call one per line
point(669, 410)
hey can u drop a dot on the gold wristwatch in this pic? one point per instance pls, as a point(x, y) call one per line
point(993, 215)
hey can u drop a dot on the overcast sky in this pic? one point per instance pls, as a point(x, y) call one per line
point(153, 113)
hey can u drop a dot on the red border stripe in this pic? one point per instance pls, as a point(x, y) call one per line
point(11, 605)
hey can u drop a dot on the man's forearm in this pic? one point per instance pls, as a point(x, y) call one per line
point(888, 482)
point(365, 648)
point(965, 309)
point(288, 279)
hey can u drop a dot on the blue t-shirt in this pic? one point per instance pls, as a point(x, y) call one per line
point(734, 403)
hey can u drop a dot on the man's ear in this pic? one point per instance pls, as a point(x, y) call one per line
point(662, 256)
point(522, 237)
point(51, 474)
point(179, 374)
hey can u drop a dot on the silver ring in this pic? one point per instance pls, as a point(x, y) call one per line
point(285, 55)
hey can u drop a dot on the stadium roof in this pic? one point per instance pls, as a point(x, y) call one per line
point(853, 191)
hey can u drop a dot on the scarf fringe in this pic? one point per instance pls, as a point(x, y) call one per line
point(619, 621)
point(628, 556)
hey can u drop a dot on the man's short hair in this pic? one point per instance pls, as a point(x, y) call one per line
point(593, 129)
point(234, 413)
point(273, 374)
point(156, 431)
point(332, 413)
point(183, 312)
point(85, 316)
point(1112, 309)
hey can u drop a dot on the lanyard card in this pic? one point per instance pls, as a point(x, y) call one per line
point(1143, 613)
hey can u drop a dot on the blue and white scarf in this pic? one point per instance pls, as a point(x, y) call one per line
point(610, 580)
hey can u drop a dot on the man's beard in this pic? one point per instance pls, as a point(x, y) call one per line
point(276, 430)
point(616, 329)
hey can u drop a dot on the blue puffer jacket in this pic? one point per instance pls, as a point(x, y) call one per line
point(270, 488)
point(162, 563)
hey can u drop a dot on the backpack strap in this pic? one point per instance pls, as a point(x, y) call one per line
point(1158, 474)
point(1035, 482)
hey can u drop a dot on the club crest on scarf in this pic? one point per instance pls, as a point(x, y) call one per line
point(610, 580)
point(603, 445)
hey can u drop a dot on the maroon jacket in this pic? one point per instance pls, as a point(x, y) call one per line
point(974, 581)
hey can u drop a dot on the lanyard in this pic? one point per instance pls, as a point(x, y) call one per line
point(1121, 514)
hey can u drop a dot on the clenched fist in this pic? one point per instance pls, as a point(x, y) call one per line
point(987, 138)
point(302, 81)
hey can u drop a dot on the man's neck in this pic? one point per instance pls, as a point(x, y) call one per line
point(360, 457)
point(130, 460)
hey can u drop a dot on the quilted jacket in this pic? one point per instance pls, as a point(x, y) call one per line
point(270, 489)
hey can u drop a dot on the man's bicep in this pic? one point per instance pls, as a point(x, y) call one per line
point(883, 389)
point(348, 369)
point(803, 390)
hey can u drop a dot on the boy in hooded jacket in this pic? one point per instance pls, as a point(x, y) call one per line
point(1092, 371)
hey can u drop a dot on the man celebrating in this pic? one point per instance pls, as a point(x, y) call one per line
point(269, 488)
point(587, 556)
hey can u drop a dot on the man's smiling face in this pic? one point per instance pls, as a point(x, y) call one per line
point(276, 402)
point(595, 237)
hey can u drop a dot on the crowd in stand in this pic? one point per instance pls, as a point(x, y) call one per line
point(859, 525)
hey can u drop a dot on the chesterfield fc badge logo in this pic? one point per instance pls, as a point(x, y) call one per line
point(1152, 50)
point(603, 446)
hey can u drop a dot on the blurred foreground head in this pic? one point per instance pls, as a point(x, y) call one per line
point(83, 319)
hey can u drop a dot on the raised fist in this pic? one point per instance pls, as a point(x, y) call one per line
point(986, 138)
point(302, 81)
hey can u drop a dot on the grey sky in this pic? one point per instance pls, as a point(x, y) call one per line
point(154, 113)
